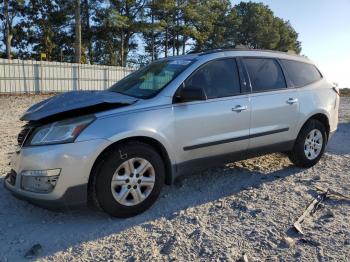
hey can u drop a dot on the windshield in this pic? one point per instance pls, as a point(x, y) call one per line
point(148, 81)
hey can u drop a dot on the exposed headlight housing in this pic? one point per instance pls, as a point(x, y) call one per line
point(39, 181)
point(59, 132)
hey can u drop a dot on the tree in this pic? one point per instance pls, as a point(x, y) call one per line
point(110, 31)
point(259, 28)
point(46, 25)
point(116, 27)
point(130, 24)
point(165, 27)
point(81, 20)
point(77, 31)
point(185, 29)
point(157, 21)
point(215, 24)
point(206, 23)
point(88, 15)
point(10, 9)
point(151, 30)
point(288, 36)
point(165, 13)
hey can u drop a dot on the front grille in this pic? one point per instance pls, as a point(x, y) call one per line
point(11, 177)
point(24, 134)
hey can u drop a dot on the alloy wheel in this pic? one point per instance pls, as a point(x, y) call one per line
point(133, 181)
point(313, 144)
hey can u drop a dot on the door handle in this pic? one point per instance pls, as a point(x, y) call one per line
point(292, 101)
point(239, 108)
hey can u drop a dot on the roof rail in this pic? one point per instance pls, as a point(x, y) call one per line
point(243, 48)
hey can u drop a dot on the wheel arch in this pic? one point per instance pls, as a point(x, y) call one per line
point(322, 117)
point(158, 146)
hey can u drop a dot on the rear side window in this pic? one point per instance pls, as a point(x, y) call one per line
point(299, 73)
point(265, 74)
point(218, 78)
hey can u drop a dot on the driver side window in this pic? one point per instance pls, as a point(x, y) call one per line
point(217, 78)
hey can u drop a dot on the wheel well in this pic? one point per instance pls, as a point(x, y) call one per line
point(323, 119)
point(147, 140)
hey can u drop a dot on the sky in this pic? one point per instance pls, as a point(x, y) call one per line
point(324, 32)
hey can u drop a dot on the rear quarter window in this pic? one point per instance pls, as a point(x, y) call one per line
point(301, 74)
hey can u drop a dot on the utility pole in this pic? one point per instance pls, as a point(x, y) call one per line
point(77, 32)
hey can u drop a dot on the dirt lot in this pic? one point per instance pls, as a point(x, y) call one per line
point(246, 207)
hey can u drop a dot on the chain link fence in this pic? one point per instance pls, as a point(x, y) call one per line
point(28, 76)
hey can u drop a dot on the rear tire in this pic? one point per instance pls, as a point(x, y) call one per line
point(127, 180)
point(309, 145)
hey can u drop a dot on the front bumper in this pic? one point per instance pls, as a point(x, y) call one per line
point(75, 161)
point(73, 197)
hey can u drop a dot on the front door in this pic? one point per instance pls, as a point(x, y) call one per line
point(218, 125)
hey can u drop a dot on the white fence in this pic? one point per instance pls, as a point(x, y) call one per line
point(27, 76)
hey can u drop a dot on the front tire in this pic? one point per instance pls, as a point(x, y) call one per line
point(128, 179)
point(309, 145)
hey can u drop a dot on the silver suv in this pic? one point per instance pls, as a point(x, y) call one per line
point(116, 148)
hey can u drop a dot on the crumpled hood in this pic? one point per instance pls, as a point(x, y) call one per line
point(76, 101)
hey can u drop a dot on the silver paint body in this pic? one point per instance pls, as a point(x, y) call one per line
point(176, 126)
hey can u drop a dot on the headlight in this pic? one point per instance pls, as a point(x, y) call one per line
point(60, 132)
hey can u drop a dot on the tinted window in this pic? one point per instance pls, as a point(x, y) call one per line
point(218, 78)
point(265, 74)
point(301, 73)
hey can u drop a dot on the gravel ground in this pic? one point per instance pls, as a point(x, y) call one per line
point(246, 207)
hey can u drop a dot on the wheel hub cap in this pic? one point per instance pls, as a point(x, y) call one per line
point(133, 181)
point(313, 144)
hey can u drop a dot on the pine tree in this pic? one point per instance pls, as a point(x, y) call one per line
point(46, 31)
point(77, 23)
point(259, 28)
point(112, 31)
point(88, 14)
point(116, 29)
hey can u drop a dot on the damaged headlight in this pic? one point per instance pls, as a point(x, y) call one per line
point(64, 131)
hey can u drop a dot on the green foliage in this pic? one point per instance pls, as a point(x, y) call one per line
point(121, 32)
point(44, 24)
point(9, 10)
point(116, 26)
point(345, 91)
point(259, 28)
point(207, 23)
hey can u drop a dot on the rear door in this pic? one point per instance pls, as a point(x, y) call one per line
point(218, 125)
point(275, 108)
point(306, 78)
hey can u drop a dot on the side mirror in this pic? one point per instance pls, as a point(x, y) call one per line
point(191, 93)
